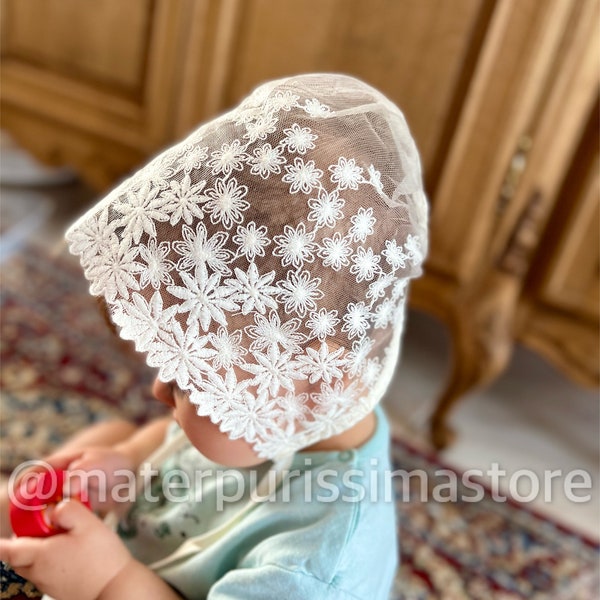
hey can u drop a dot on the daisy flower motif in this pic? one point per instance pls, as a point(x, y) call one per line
point(271, 331)
point(274, 370)
point(227, 203)
point(203, 298)
point(322, 323)
point(251, 240)
point(159, 170)
point(295, 246)
point(299, 139)
point(301, 176)
point(335, 251)
point(332, 406)
point(365, 264)
point(229, 349)
point(253, 291)
point(323, 364)
point(280, 443)
point(377, 288)
point(182, 200)
point(370, 373)
point(333, 397)
point(362, 224)
point(356, 320)
point(258, 129)
point(266, 160)
point(326, 209)
point(230, 157)
point(250, 113)
point(384, 314)
point(114, 271)
point(192, 157)
point(283, 100)
point(293, 410)
point(158, 267)
point(355, 359)
point(394, 254)
point(399, 289)
point(249, 416)
point(140, 209)
point(181, 356)
point(216, 391)
point(142, 321)
point(315, 109)
point(413, 246)
point(92, 237)
point(198, 250)
point(346, 174)
point(299, 292)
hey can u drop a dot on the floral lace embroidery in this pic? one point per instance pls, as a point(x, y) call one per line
point(263, 262)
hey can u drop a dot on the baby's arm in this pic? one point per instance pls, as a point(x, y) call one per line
point(108, 448)
point(87, 562)
point(133, 443)
point(138, 581)
point(145, 441)
point(117, 463)
point(104, 435)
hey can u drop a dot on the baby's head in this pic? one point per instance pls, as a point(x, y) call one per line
point(262, 264)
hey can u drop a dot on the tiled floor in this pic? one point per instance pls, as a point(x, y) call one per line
point(531, 418)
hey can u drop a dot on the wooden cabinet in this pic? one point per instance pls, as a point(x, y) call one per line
point(500, 95)
point(91, 84)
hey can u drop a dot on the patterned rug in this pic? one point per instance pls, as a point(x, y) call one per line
point(61, 368)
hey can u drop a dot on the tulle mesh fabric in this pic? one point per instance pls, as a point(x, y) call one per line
point(262, 263)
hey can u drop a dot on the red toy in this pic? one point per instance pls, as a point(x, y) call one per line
point(28, 503)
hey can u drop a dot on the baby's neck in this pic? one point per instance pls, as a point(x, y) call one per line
point(350, 439)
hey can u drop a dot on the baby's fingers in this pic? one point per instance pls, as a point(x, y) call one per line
point(19, 553)
point(71, 515)
point(63, 458)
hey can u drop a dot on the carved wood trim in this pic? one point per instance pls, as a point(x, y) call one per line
point(516, 257)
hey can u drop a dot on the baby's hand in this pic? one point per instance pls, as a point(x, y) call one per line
point(106, 475)
point(75, 565)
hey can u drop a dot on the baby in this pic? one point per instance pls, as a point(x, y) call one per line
point(261, 266)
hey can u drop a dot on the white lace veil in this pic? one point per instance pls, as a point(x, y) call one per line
point(263, 262)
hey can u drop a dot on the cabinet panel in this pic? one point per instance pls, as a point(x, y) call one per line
point(570, 344)
point(574, 282)
point(101, 77)
point(101, 42)
point(570, 250)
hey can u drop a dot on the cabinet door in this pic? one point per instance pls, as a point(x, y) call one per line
point(86, 83)
point(561, 303)
point(573, 282)
point(529, 51)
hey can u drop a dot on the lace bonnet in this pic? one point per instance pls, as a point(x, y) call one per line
point(262, 263)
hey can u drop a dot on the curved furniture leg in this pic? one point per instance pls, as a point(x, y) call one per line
point(483, 343)
point(484, 318)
